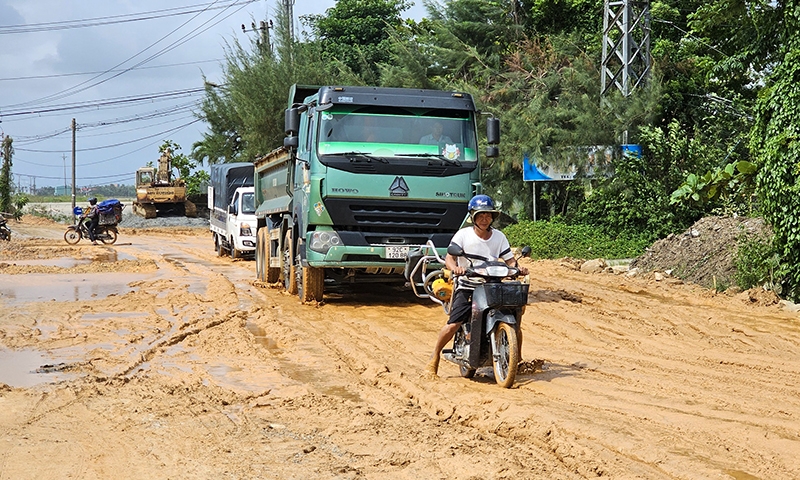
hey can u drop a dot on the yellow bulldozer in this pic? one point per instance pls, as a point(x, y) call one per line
point(158, 194)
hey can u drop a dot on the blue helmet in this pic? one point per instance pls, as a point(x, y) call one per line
point(482, 203)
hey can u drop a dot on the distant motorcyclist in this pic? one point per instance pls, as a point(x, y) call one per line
point(479, 242)
point(93, 214)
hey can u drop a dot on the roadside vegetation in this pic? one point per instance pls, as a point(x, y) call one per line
point(717, 119)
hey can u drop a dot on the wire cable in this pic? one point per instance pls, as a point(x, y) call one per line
point(83, 85)
point(109, 20)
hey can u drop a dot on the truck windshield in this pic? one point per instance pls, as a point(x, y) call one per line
point(400, 133)
point(249, 203)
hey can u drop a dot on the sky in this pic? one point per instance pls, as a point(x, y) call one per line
point(129, 72)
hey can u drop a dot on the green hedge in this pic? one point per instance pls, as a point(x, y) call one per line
point(555, 239)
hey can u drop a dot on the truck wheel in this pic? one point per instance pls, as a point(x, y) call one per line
point(261, 262)
point(273, 273)
point(289, 275)
point(311, 284)
point(218, 246)
point(234, 253)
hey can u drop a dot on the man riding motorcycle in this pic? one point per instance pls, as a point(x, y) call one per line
point(479, 242)
point(93, 214)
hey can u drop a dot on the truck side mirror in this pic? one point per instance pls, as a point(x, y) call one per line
point(291, 142)
point(232, 209)
point(292, 121)
point(493, 131)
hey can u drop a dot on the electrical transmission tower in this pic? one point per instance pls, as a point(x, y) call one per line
point(626, 45)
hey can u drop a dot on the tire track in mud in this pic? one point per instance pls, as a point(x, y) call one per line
point(659, 371)
point(379, 360)
point(640, 380)
point(366, 356)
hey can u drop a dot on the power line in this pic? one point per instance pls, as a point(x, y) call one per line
point(108, 102)
point(171, 130)
point(110, 20)
point(83, 85)
point(77, 74)
point(176, 110)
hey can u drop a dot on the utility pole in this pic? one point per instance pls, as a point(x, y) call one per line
point(626, 45)
point(73, 168)
point(288, 6)
point(64, 158)
point(263, 44)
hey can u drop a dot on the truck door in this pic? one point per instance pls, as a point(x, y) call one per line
point(302, 174)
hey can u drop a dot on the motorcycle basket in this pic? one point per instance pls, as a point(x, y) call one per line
point(510, 294)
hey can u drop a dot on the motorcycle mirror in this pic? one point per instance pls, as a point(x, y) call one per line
point(526, 251)
point(455, 250)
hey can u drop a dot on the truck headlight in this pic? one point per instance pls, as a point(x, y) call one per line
point(244, 230)
point(322, 241)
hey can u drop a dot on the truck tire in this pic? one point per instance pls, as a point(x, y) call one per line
point(289, 273)
point(273, 273)
point(265, 273)
point(234, 253)
point(312, 281)
point(261, 251)
point(218, 246)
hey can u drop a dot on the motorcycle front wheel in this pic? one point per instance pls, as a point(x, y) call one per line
point(506, 359)
point(72, 236)
point(459, 342)
point(108, 236)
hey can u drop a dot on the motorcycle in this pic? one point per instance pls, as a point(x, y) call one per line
point(105, 232)
point(5, 232)
point(491, 337)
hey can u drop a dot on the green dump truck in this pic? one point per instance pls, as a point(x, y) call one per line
point(366, 174)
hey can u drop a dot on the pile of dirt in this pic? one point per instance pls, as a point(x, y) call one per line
point(704, 254)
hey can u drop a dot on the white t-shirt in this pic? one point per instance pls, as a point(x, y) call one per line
point(495, 247)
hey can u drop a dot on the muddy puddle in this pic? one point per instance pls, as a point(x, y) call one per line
point(20, 289)
point(28, 368)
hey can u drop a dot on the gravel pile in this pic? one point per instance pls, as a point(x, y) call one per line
point(131, 220)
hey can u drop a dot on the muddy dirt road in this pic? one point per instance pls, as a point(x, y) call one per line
point(156, 359)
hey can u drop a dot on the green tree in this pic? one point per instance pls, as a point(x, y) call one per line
point(775, 143)
point(188, 169)
point(356, 33)
point(245, 112)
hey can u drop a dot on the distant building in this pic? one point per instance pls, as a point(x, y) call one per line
point(63, 190)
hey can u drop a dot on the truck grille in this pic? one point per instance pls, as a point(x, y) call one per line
point(413, 222)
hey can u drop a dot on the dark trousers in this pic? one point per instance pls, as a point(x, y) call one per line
point(92, 227)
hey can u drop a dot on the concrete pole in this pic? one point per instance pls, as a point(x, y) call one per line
point(73, 168)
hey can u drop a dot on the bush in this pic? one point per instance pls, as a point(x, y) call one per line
point(555, 239)
point(757, 263)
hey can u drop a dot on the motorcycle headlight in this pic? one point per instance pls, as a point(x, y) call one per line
point(497, 271)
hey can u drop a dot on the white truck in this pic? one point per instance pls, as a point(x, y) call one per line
point(231, 203)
